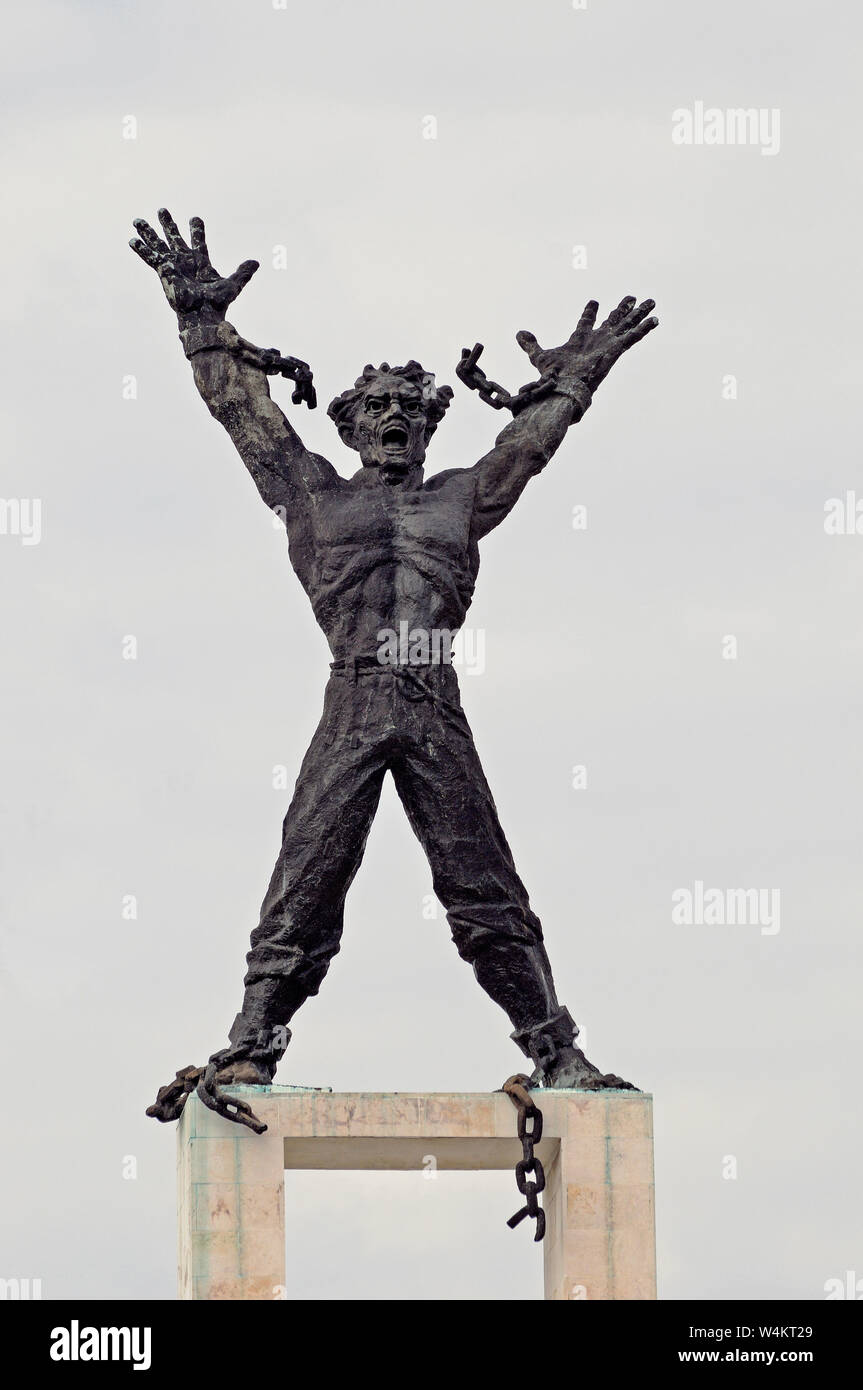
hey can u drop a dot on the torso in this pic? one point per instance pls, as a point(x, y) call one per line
point(373, 557)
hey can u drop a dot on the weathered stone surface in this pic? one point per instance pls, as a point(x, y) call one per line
point(598, 1199)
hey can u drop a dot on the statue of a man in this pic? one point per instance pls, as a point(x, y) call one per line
point(387, 550)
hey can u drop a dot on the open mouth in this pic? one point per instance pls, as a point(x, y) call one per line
point(395, 437)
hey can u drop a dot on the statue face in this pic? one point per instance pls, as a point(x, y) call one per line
point(390, 427)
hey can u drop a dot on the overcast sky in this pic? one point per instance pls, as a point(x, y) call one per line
point(704, 466)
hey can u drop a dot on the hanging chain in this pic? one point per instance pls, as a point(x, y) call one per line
point(528, 1114)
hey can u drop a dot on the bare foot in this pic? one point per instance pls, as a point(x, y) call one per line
point(243, 1073)
point(573, 1072)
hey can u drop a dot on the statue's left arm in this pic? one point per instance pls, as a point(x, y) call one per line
point(570, 375)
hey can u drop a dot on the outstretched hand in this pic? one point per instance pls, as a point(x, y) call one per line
point(590, 353)
point(190, 283)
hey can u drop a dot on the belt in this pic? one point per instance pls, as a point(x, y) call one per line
point(411, 685)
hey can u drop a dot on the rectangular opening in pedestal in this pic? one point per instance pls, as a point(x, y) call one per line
point(410, 1154)
point(420, 1234)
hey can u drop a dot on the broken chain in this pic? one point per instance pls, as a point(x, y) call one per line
point(271, 361)
point(495, 395)
point(171, 1099)
point(516, 1088)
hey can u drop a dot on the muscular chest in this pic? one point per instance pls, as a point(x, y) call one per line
point(392, 523)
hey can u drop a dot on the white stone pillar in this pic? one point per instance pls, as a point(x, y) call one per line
point(230, 1204)
point(600, 1238)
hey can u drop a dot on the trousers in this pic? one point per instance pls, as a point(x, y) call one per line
point(408, 721)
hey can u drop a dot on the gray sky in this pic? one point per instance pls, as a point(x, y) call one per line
point(304, 128)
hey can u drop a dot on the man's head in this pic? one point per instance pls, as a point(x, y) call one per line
point(389, 416)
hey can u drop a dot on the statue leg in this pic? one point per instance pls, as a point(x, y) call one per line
point(300, 927)
point(444, 791)
point(449, 804)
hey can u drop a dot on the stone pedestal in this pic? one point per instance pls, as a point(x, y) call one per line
point(597, 1150)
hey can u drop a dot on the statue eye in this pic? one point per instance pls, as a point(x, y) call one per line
point(412, 407)
point(374, 406)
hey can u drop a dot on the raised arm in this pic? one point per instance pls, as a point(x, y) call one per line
point(544, 410)
point(230, 373)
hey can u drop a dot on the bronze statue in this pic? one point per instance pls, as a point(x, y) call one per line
point(386, 550)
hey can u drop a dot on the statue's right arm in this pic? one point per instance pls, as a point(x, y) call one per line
point(230, 373)
point(237, 394)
